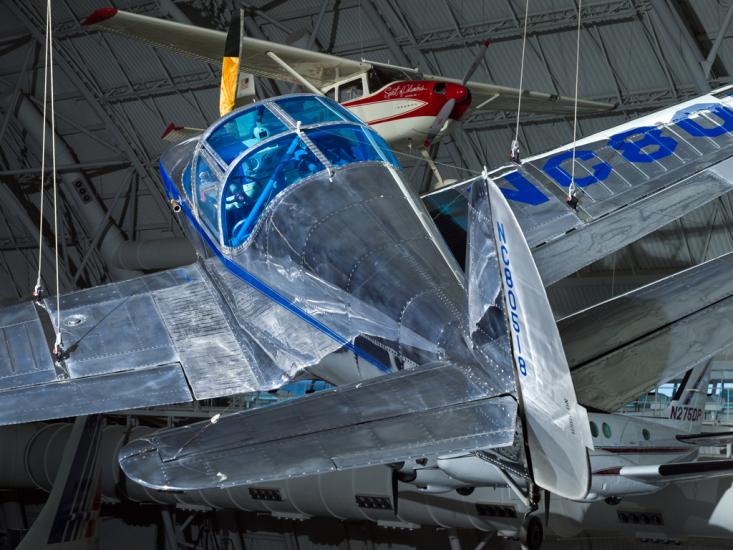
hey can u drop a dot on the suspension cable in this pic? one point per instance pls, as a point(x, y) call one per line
point(514, 150)
point(572, 200)
point(58, 348)
point(38, 290)
point(48, 97)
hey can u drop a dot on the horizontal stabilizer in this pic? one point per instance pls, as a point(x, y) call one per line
point(424, 412)
point(660, 331)
point(708, 439)
point(679, 471)
point(176, 134)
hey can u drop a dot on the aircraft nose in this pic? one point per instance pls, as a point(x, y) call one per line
point(458, 92)
point(457, 95)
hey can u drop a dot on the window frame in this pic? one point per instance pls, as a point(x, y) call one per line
point(364, 89)
point(203, 153)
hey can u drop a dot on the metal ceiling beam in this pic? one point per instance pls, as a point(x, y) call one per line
point(380, 25)
point(707, 64)
point(124, 134)
point(64, 168)
point(677, 32)
point(503, 29)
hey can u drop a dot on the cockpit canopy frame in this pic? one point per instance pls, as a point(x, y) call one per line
point(241, 162)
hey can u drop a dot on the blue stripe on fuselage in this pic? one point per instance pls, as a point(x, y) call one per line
point(253, 281)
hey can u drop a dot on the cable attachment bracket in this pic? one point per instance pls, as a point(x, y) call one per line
point(572, 198)
point(60, 354)
point(39, 293)
point(514, 152)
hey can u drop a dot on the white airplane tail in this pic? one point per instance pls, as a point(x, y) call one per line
point(687, 408)
point(68, 520)
point(556, 429)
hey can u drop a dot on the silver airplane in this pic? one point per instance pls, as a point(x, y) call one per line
point(315, 254)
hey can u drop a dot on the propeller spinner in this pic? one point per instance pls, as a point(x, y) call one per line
point(449, 105)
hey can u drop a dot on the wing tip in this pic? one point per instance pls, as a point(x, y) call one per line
point(97, 16)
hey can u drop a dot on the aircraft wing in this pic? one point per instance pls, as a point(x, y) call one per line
point(434, 410)
point(154, 340)
point(708, 439)
point(492, 97)
point(632, 180)
point(319, 68)
point(660, 331)
point(676, 471)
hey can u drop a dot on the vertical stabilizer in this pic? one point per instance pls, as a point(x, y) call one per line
point(68, 520)
point(556, 426)
point(687, 408)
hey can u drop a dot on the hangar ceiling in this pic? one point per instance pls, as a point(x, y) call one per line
point(114, 97)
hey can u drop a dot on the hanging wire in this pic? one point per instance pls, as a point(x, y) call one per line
point(58, 347)
point(48, 97)
point(572, 200)
point(38, 290)
point(514, 150)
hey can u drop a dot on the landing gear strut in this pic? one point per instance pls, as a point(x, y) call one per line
point(531, 533)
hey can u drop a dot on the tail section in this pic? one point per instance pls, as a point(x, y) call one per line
point(68, 520)
point(557, 433)
point(687, 408)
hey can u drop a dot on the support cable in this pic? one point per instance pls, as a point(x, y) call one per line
point(38, 292)
point(58, 346)
point(48, 97)
point(514, 149)
point(572, 199)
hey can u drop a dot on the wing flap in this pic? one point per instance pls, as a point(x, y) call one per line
point(386, 419)
point(596, 239)
point(131, 389)
point(24, 357)
point(612, 380)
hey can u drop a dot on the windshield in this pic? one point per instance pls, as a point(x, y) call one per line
point(346, 144)
point(314, 110)
point(257, 178)
point(244, 130)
